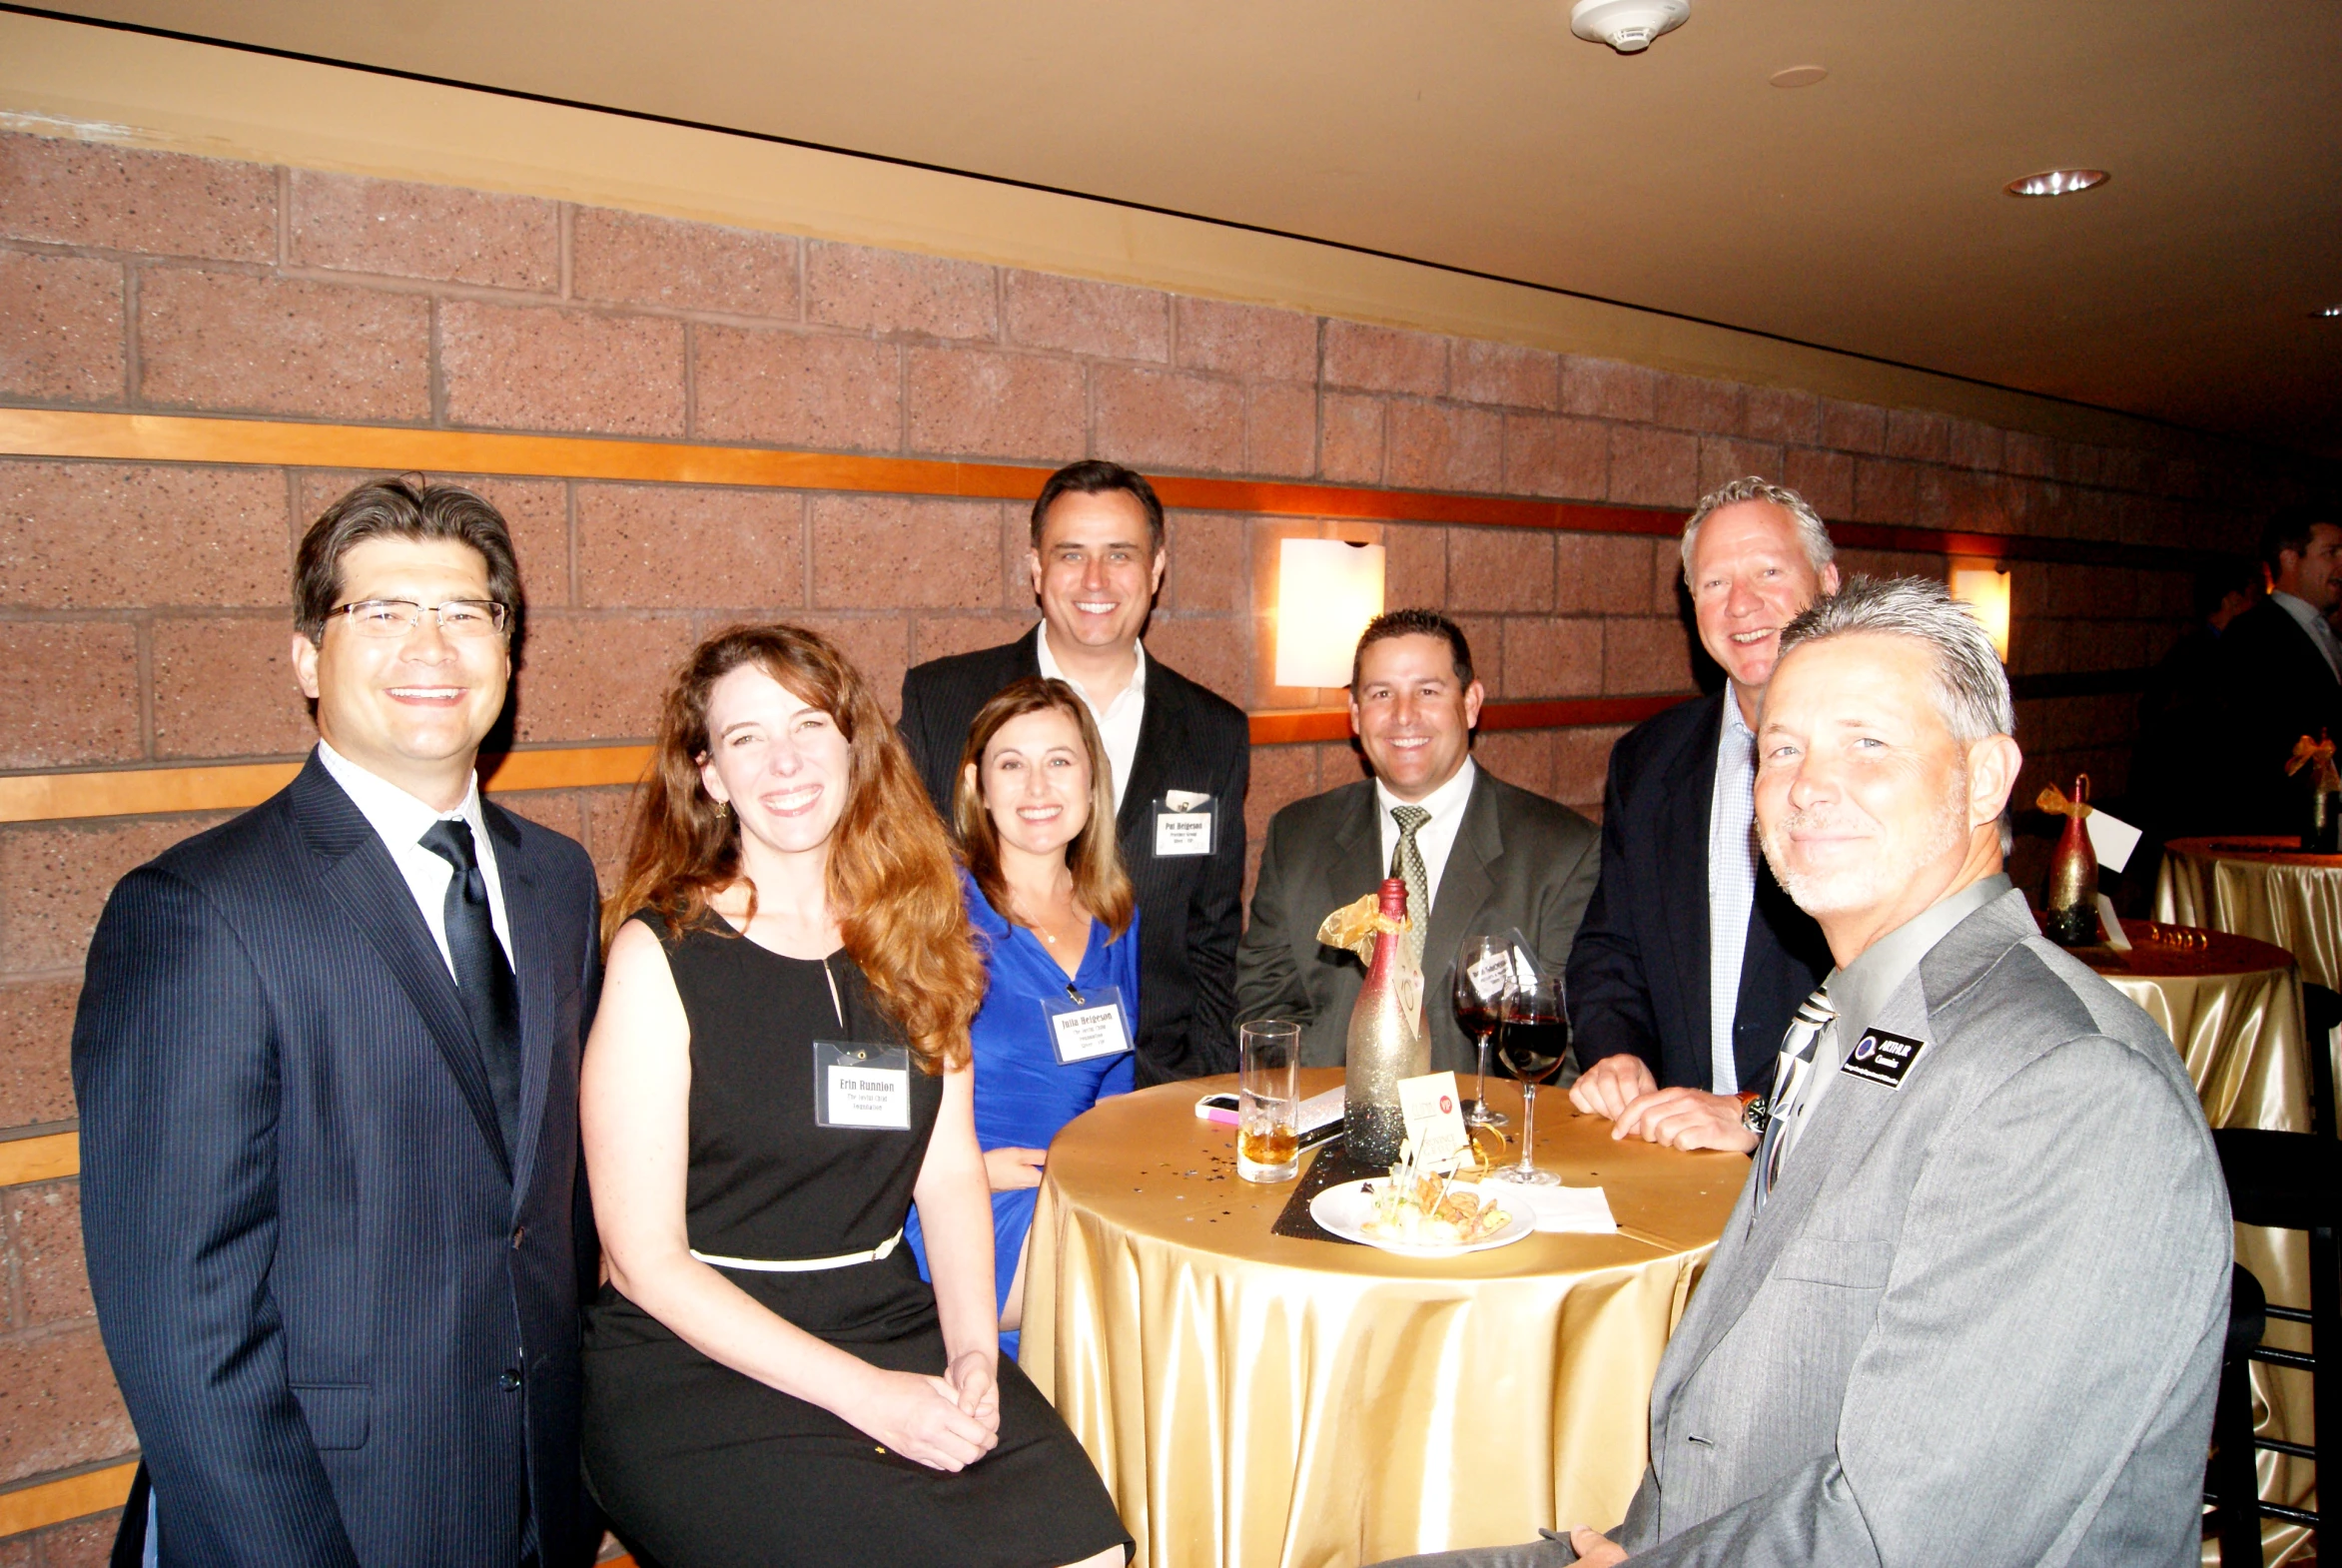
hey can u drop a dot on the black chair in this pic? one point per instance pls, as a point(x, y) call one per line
point(2232, 1483)
point(2291, 1182)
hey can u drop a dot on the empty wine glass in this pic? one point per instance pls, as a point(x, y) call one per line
point(1531, 1040)
point(1483, 971)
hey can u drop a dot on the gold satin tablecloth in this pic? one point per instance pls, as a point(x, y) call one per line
point(2262, 888)
point(2232, 1005)
point(1260, 1400)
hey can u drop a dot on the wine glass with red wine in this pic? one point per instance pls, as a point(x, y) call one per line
point(1483, 971)
point(1531, 1040)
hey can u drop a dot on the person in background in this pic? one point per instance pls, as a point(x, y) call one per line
point(779, 1072)
point(1484, 855)
point(1181, 757)
point(327, 1065)
point(1057, 927)
point(2177, 714)
point(1692, 957)
point(1970, 1305)
point(2279, 678)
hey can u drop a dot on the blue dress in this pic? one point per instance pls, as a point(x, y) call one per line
point(1023, 1094)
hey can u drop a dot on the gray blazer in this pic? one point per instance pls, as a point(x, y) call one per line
point(1519, 859)
point(1979, 1319)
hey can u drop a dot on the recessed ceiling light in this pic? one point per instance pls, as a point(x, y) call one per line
point(1799, 76)
point(2058, 182)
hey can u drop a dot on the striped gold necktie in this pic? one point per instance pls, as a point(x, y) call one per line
point(1406, 864)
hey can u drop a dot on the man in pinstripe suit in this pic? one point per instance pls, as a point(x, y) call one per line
point(327, 1064)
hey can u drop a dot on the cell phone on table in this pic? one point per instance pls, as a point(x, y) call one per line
point(1222, 1108)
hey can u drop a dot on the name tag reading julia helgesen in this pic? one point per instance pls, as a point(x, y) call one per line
point(1184, 824)
point(1086, 1024)
point(861, 1087)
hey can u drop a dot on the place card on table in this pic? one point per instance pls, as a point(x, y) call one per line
point(1434, 1109)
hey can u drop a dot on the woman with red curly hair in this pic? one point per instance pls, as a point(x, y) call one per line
point(778, 1072)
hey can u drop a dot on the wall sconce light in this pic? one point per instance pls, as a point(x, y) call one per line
point(1984, 584)
point(1327, 592)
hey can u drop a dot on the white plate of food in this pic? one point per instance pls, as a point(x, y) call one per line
point(1373, 1212)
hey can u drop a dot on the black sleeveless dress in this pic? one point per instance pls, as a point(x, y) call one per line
point(699, 1466)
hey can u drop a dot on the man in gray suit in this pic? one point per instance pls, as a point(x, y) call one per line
point(1484, 854)
point(1969, 1307)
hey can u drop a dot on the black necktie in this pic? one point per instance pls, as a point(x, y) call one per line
point(482, 976)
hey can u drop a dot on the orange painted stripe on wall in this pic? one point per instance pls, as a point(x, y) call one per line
point(148, 437)
point(74, 1497)
point(138, 792)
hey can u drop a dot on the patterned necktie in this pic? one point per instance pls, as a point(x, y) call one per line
point(1406, 864)
point(1813, 1023)
point(483, 977)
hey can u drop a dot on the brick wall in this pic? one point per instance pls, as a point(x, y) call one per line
point(142, 606)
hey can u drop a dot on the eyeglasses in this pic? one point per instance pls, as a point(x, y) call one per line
point(398, 617)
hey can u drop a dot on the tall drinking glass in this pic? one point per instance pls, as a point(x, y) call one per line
point(1531, 1042)
point(1483, 971)
point(1268, 1104)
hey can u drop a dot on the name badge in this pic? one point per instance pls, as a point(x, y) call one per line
point(866, 1088)
point(1184, 824)
point(1084, 1025)
point(1883, 1058)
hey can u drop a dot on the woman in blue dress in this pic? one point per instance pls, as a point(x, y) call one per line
point(1057, 927)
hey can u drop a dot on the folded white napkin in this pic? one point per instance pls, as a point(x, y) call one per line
point(1583, 1210)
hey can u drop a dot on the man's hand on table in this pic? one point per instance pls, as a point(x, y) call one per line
point(1687, 1118)
point(1594, 1550)
point(1611, 1084)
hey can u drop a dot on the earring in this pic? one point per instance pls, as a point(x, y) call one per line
point(723, 809)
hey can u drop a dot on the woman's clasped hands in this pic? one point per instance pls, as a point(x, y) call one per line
point(945, 1423)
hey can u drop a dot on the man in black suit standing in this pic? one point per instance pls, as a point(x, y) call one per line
point(1483, 854)
point(1691, 958)
point(327, 1064)
point(2280, 678)
point(1182, 756)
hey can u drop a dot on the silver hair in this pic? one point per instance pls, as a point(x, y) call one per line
point(1971, 689)
point(1811, 534)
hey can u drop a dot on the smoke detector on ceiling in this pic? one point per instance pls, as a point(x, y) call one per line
point(1627, 26)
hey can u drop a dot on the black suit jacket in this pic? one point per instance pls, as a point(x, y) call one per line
point(1519, 860)
point(344, 1314)
point(2274, 687)
point(1638, 976)
point(1191, 906)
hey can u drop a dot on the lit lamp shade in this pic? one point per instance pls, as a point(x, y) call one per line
point(1985, 586)
point(1327, 592)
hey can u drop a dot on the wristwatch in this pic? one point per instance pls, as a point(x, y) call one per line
point(1755, 1112)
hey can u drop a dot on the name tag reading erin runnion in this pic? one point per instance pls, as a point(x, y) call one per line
point(861, 1087)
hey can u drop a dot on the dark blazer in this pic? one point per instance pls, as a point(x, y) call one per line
point(2274, 687)
point(344, 1314)
point(1638, 976)
point(1519, 860)
point(1188, 740)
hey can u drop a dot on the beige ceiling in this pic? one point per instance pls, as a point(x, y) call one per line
point(1863, 214)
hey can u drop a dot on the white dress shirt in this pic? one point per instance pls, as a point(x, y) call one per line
point(403, 819)
point(1435, 838)
point(1118, 722)
point(1732, 887)
point(2320, 633)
